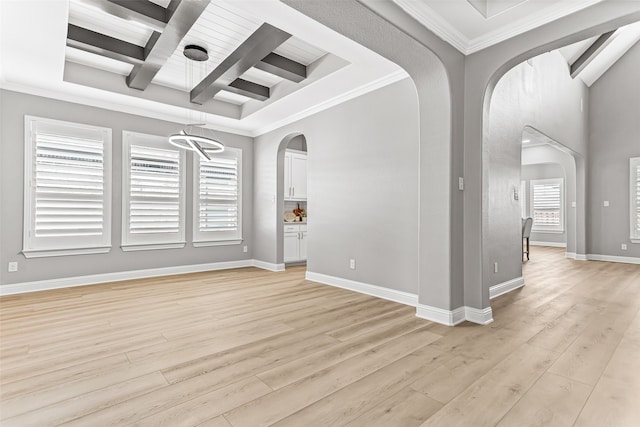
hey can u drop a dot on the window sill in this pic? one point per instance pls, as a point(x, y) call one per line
point(217, 243)
point(152, 246)
point(42, 253)
point(547, 231)
point(635, 240)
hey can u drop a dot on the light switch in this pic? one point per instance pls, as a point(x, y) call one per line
point(606, 203)
point(573, 204)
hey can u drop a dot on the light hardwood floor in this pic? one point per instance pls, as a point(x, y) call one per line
point(249, 347)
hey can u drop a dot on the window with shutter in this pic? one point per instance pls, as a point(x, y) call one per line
point(67, 184)
point(547, 205)
point(634, 202)
point(218, 199)
point(153, 192)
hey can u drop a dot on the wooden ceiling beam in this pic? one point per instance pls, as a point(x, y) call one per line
point(260, 44)
point(182, 14)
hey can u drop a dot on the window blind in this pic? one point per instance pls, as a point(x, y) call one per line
point(154, 190)
point(217, 215)
point(547, 201)
point(69, 185)
point(218, 195)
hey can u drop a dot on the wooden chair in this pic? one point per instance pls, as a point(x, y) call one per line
point(527, 223)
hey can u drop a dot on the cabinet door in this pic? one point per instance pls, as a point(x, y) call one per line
point(299, 176)
point(287, 176)
point(291, 247)
point(303, 246)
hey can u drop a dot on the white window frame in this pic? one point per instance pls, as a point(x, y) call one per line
point(634, 203)
point(47, 246)
point(139, 242)
point(524, 212)
point(221, 238)
point(537, 228)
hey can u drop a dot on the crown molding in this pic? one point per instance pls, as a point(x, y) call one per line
point(436, 23)
point(443, 29)
point(520, 26)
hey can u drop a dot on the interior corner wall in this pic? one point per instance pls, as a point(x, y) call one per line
point(14, 106)
point(539, 93)
point(614, 137)
point(362, 184)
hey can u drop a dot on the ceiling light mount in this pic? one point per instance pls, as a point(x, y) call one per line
point(195, 53)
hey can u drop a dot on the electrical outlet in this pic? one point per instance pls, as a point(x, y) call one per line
point(605, 203)
point(460, 183)
point(495, 267)
point(13, 266)
point(352, 264)
point(245, 249)
point(573, 204)
point(623, 246)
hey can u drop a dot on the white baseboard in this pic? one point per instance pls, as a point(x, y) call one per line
point(268, 266)
point(365, 288)
point(480, 316)
point(551, 244)
point(94, 279)
point(453, 317)
point(577, 257)
point(505, 287)
point(612, 258)
point(439, 315)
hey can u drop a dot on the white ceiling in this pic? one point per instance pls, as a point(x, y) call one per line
point(469, 25)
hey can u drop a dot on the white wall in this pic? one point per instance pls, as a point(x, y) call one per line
point(362, 177)
point(13, 108)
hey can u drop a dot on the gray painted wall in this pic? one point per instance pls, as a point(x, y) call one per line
point(14, 107)
point(483, 70)
point(362, 177)
point(614, 125)
point(545, 171)
point(540, 94)
point(422, 55)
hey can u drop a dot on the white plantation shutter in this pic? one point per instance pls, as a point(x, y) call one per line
point(67, 188)
point(217, 214)
point(154, 189)
point(547, 202)
point(635, 199)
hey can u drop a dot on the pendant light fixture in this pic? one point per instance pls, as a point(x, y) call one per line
point(194, 136)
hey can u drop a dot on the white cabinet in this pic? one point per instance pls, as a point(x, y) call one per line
point(295, 242)
point(295, 175)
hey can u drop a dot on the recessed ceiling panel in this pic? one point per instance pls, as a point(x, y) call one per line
point(92, 18)
point(101, 62)
point(300, 51)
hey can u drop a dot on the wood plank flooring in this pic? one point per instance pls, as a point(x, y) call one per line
point(253, 348)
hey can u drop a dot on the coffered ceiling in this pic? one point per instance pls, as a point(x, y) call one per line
point(267, 63)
